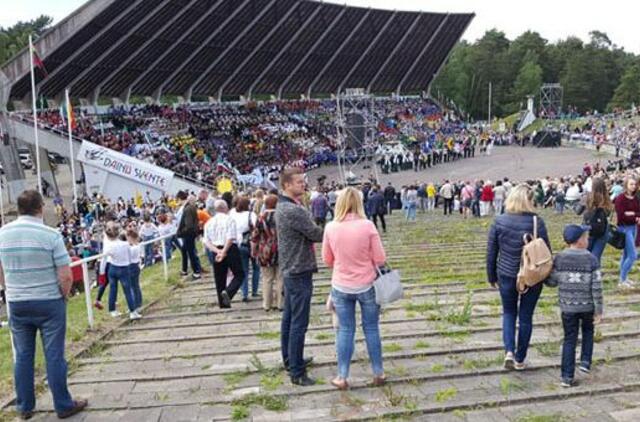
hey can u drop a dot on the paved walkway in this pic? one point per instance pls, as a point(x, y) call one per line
point(514, 162)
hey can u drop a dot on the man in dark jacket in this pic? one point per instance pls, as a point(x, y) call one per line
point(296, 235)
point(187, 233)
point(389, 196)
point(376, 207)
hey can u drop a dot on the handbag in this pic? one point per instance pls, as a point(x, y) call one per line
point(616, 239)
point(388, 287)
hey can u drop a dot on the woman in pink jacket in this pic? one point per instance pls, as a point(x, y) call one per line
point(352, 247)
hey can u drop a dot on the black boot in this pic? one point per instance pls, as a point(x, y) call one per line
point(303, 381)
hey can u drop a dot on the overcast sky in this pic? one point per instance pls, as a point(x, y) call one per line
point(554, 19)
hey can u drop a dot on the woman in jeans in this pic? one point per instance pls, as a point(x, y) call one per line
point(245, 223)
point(504, 250)
point(412, 203)
point(264, 245)
point(597, 212)
point(352, 247)
point(627, 208)
point(119, 253)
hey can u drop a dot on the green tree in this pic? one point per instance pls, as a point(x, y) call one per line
point(628, 91)
point(576, 81)
point(15, 38)
point(590, 73)
point(528, 81)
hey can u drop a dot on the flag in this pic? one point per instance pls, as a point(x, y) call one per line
point(222, 165)
point(37, 62)
point(138, 199)
point(70, 116)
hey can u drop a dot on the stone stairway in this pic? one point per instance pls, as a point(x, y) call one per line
point(188, 360)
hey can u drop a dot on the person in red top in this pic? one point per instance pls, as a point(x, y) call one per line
point(628, 215)
point(486, 199)
point(76, 274)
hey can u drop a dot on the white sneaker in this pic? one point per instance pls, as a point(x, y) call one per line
point(624, 284)
point(509, 361)
point(115, 314)
point(520, 366)
point(584, 369)
point(134, 315)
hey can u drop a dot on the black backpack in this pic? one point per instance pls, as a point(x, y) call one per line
point(597, 219)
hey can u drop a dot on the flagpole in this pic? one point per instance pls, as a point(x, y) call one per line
point(35, 114)
point(1, 204)
point(71, 158)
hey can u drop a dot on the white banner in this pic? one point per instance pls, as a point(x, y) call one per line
point(125, 166)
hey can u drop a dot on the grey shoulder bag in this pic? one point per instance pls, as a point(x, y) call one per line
point(388, 287)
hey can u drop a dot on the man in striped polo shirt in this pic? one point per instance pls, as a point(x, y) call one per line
point(35, 272)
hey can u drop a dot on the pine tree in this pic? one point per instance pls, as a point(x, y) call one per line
point(628, 91)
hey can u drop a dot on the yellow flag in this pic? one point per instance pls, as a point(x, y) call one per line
point(138, 199)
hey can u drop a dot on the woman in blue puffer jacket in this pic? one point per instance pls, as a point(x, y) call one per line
point(504, 250)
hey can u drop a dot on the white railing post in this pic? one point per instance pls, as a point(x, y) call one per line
point(87, 293)
point(163, 250)
point(87, 282)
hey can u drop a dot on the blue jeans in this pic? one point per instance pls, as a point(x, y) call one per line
point(571, 324)
point(50, 318)
point(170, 243)
point(148, 251)
point(596, 246)
point(298, 290)
point(411, 211)
point(517, 307)
point(345, 305)
point(134, 278)
point(245, 254)
point(121, 274)
point(629, 255)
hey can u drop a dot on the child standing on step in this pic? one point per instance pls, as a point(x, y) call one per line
point(576, 273)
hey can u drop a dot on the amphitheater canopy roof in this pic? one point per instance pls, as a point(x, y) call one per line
point(221, 48)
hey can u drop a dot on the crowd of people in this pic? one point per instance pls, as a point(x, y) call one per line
point(622, 131)
point(202, 142)
point(260, 243)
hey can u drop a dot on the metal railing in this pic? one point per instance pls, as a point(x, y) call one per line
point(85, 271)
